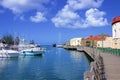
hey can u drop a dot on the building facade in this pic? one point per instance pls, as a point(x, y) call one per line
point(114, 41)
point(92, 41)
point(116, 32)
point(67, 43)
point(75, 42)
point(107, 43)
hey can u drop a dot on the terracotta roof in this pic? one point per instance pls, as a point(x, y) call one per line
point(115, 20)
point(97, 38)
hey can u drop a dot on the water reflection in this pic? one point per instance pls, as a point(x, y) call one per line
point(19, 68)
point(4, 62)
point(29, 68)
point(76, 55)
point(70, 67)
point(55, 64)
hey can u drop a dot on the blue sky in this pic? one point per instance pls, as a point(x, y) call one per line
point(55, 21)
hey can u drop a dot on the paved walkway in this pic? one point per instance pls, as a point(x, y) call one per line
point(112, 66)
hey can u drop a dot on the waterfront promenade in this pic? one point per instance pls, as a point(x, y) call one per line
point(111, 63)
point(112, 66)
point(105, 66)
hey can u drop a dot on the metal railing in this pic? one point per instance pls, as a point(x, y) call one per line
point(97, 67)
point(110, 51)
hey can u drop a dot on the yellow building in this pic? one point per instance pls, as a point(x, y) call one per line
point(107, 43)
point(75, 42)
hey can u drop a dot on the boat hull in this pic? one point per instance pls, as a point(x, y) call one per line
point(31, 53)
point(8, 55)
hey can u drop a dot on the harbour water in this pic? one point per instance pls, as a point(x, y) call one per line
point(55, 64)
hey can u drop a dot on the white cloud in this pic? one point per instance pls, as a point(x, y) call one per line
point(94, 17)
point(22, 5)
point(39, 17)
point(69, 17)
point(19, 7)
point(84, 4)
point(66, 18)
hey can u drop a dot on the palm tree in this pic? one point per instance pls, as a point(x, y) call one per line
point(102, 36)
point(8, 39)
point(16, 41)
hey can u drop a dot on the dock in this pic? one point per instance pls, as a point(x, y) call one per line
point(70, 47)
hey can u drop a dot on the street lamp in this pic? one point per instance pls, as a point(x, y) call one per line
point(102, 36)
point(116, 45)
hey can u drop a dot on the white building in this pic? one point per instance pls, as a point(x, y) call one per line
point(116, 27)
point(75, 42)
point(68, 43)
point(116, 32)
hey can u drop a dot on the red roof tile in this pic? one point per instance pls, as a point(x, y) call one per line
point(115, 20)
point(97, 38)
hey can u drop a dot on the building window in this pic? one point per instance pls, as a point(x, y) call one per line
point(98, 45)
point(115, 32)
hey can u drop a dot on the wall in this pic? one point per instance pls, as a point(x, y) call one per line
point(107, 43)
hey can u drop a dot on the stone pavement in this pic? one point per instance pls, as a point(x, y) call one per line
point(111, 65)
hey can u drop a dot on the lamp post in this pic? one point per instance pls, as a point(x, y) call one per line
point(102, 36)
point(116, 45)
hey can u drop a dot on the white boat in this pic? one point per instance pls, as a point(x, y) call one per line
point(33, 51)
point(60, 45)
point(30, 49)
point(5, 53)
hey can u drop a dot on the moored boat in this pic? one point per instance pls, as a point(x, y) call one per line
point(33, 51)
point(60, 45)
point(54, 45)
point(30, 49)
point(8, 53)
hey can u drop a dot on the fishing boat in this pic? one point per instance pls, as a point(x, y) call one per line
point(33, 51)
point(30, 49)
